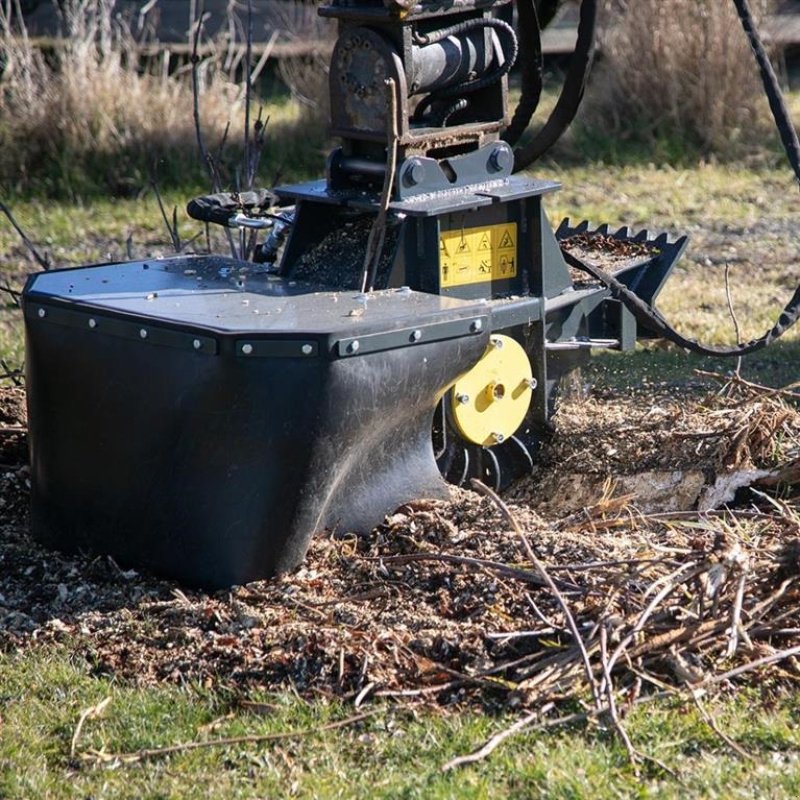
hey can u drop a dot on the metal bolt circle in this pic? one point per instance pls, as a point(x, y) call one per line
point(42, 312)
point(414, 172)
point(307, 349)
point(143, 333)
point(92, 323)
point(247, 349)
point(501, 159)
point(476, 326)
point(463, 399)
point(197, 344)
point(416, 335)
point(498, 437)
point(498, 343)
point(353, 347)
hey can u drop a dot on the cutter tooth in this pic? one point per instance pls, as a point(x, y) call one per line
point(563, 230)
point(581, 227)
point(642, 236)
point(623, 233)
point(661, 240)
point(602, 230)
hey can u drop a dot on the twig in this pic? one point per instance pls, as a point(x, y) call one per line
point(160, 752)
point(495, 741)
point(515, 526)
point(42, 261)
point(736, 616)
point(709, 720)
point(89, 713)
point(195, 61)
point(172, 227)
point(478, 563)
point(732, 312)
point(756, 387)
point(15, 375)
point(12, 293)
point(248, 97)
point(608, 684)
point(781, 655)
point(377, 233)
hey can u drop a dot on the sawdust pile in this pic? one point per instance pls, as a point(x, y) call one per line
point(445, 604)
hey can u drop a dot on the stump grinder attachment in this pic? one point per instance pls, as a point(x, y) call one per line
point(407, 318)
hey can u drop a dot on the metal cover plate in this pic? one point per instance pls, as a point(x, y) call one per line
point(225, 295)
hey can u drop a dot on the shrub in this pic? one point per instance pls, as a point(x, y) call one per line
point(89, 117)
point(679, 72)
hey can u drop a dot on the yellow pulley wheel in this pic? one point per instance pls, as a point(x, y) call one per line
point(490, 401)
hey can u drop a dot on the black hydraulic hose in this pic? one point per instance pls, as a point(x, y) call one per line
point(469, 86)
point(652, 319)
point(780, 112)
point(531, 70)
point(571, 93)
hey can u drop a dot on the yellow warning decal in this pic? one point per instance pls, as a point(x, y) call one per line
point(478, 255)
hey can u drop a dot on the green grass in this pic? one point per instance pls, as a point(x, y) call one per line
point(395, 753)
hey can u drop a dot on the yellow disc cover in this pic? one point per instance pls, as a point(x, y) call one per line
point(490, 401)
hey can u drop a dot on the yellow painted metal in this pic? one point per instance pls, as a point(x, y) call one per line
point(478, 255)
point(490, 401)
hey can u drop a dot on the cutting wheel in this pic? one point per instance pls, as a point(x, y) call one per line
point(482, 429)
point(490, 402)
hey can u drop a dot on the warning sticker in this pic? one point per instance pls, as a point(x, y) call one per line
point(478, 255)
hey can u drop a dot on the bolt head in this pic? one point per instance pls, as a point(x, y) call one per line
point(499, 438)
point(307, 349)
point(501, 159)
point(197, 344)
point(92, 323)
point(416, 335)
point(414, 172)
point(143, 333)
point(354, 346)
point(476, 326)
point(247, 349)
point(41, 312)
point(463, 399)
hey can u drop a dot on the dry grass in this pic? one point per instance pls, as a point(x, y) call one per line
point(680, 70)
point(90, 107)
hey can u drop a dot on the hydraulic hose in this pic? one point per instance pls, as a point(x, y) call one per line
point(503, 30)
point(780, 113)
point(569, 100)
point(531, 69)
point(654, 321)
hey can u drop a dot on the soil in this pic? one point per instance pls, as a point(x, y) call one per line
point(440, 604)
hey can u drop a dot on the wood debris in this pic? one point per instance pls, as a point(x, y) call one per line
point(443, 605)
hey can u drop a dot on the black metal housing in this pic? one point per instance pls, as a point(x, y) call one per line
point(176, 429)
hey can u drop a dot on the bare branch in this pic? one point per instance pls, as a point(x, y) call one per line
point(42, 261)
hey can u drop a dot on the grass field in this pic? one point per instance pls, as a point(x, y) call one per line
point(393, 753)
